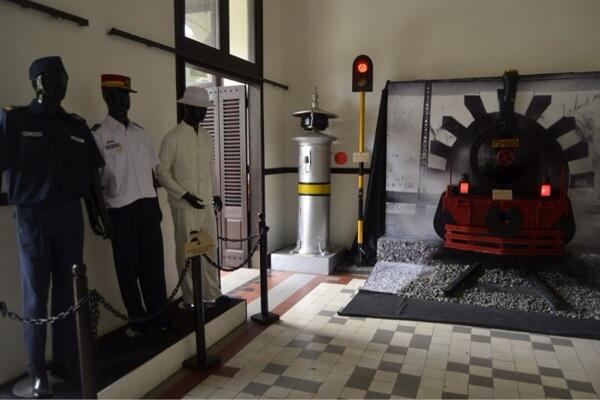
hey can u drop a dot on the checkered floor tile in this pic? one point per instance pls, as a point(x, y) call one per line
point(314, 353)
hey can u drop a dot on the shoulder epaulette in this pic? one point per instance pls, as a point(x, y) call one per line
point(138, 125)
point(77, 117)
point(7, 108)
point(93, 128)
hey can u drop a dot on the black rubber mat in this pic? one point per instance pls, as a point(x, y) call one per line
point(118, 355)
point(388, 306)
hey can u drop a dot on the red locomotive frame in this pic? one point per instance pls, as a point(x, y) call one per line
point(537, 236)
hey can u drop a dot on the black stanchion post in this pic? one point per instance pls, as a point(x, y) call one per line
point(85, 335)
point(202, 360)
point(265, 317)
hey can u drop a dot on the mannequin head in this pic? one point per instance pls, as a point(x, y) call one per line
point(118, 102)
point(115, 92)
point(194, 115)
point(49, 80)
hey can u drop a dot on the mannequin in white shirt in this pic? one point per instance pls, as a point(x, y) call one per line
point(193, 116)
point(186, 172)
point(140, 272)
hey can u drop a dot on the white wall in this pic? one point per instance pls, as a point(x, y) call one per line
point(409, 39)
point(87, 53)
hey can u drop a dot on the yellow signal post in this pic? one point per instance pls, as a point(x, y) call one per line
point(362, 82)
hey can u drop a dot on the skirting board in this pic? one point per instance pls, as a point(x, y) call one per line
point(282, 260)
point(145, 378)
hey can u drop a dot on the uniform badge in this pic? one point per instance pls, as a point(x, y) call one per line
point(33, 134)
point(78, 139)
point(111, 147)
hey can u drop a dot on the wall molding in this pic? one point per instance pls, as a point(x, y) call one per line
point(55, 12)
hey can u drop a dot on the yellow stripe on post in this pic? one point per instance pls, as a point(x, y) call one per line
point(361, 180)
point(361, 123)
point(314, 189)
point(359, 235)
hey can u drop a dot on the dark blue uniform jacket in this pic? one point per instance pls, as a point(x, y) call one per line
point(48, 158)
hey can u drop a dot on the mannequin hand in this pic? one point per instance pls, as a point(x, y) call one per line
point(194, 201)
point(107, 231)
point(217, 203)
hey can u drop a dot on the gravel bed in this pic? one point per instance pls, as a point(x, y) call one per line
point(409, 251)
point(584, 302)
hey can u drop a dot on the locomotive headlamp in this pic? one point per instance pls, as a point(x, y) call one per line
point(463, 185)
point(546, 188)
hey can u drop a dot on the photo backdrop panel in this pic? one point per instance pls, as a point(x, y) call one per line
point(426, 112)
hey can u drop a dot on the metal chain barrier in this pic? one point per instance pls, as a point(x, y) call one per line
point(95, 299)
point(262, 236)
point(224, 239)
point(5, 313)
point(98, 300)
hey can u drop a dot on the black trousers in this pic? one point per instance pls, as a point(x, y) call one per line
point(139, 259)
point(50, 243)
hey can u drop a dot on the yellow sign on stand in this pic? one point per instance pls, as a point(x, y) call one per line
point(200, 243)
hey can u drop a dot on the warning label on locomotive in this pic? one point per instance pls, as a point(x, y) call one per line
point(505, 143)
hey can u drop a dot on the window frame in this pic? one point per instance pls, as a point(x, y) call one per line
point(224, 65)
point(220, 60)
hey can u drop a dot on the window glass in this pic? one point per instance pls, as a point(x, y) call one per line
point(196, 77)
point(201, 21)
point(229, 82)
point(241, 29)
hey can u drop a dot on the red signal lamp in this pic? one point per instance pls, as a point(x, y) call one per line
point(362, 74)
point(362, 67)
point(545, 190)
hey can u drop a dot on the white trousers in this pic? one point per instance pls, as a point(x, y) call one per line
point(186, 220)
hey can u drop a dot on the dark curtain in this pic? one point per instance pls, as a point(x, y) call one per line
point(374, 212)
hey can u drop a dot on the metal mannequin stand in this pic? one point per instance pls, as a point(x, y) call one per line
point(202, 360)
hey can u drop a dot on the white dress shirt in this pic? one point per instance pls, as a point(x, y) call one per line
point(186, 165)
point(130, 159)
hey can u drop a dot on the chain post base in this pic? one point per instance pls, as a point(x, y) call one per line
point(267, 319)
point(202, 365)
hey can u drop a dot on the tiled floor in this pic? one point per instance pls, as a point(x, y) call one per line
point(313, 353)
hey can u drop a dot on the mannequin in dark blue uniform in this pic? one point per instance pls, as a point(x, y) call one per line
point(52, 163)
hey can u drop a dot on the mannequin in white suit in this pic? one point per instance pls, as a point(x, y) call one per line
point(186, 171)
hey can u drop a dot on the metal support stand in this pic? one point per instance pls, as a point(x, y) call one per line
point(265, 317)
point(470, 277)
point(460, 282)
point(85, 335)
point(202, 360)
point(542, 289)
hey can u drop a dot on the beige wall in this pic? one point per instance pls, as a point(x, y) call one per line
point(86, 52)
point(411, 39)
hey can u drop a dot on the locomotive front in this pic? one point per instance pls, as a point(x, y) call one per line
point(512, 195)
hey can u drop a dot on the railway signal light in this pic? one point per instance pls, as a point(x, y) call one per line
point(362, 74)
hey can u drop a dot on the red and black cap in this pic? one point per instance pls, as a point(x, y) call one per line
point(117, 81)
